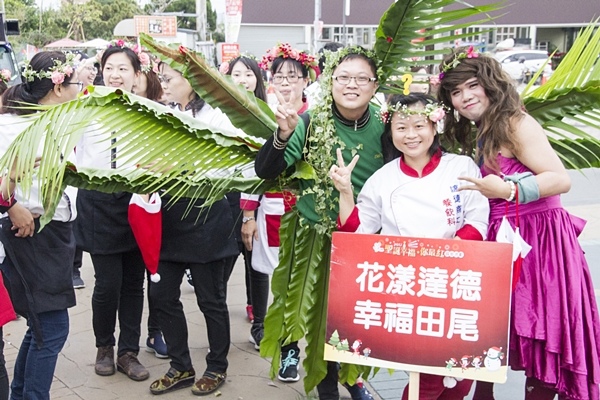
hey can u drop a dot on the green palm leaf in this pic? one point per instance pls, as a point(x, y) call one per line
point(189, 158)
point(243, 109)
point(270, 345)
point(569, 102)
point(407, 20)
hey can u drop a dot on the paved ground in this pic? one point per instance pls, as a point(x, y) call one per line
point(248, 373)
point(75, 378)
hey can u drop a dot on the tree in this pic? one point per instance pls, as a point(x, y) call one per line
point(78, 15)
point(111, 13)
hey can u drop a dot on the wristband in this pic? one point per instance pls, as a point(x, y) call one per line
point(526, 184)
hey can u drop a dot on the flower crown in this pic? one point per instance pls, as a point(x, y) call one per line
point(146, 62)
point(470, 53)
point(435, 112)
point(285, 50)
point(56, 73)
point(5, 75)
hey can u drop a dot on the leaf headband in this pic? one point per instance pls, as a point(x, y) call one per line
point(470, 53)
point(435, 112)
point(57, 73)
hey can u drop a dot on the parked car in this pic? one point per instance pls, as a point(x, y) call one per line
point(516, 62)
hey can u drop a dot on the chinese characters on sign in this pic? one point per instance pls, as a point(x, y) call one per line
point(425, 305)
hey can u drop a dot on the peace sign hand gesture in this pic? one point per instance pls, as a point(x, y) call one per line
point(341, 174)
point(286, 114)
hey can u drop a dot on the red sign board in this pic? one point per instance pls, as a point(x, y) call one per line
point(229, 51)
point(426, 305)
point(233, 7)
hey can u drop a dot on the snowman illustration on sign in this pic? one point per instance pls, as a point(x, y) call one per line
point(493, 358)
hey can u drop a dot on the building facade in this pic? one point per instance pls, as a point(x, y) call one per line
point(536, 24)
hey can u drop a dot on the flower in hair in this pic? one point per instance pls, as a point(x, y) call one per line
point(5, 75)
point(224, 68)
point(435, 112)
point(470, 53)
point(57, 73)
point(285, 50)
point(147, 64)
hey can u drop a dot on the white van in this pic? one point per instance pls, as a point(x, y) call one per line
point(514, 61)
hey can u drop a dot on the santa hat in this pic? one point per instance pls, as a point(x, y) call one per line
point(145, 219)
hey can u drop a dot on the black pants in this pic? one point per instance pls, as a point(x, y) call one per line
point(328, 387)
point(3, 373)
point(119, 288)
point(209, 285)
point(153, 324)
point(77, 261)
point(260, 294)
point(247, 264)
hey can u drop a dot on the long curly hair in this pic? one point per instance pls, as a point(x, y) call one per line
point(497, 125)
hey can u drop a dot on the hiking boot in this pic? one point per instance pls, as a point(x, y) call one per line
point(105, 361)
point(358, 391)
point(156, 344)
point(288, 369)
point(256, 334)
point(250, 313)
point(209, 382)
point(129, 365)
point(173, 380)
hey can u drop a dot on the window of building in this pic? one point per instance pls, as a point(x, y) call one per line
point(506, 32)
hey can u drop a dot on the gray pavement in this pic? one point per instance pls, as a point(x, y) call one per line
point(248, 374)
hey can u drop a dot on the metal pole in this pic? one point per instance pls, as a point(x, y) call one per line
point(201, 19)
point(345, 32)
point(317, 26)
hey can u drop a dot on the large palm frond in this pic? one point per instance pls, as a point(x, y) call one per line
point(568, 104)
point(182, 155)
point(409, 29)
point(244, 110)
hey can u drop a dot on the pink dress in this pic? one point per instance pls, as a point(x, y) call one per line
point(555, 329)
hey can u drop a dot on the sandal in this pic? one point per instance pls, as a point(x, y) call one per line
point(173, 380)
point(209, 382)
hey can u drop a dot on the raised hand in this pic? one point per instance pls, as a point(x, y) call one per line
point(341, 173)
point(286, 114)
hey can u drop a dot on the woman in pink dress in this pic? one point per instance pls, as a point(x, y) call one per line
point(555, 329)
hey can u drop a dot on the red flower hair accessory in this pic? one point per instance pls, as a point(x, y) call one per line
point(285, 50)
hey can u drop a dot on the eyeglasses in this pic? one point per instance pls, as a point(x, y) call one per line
point(92, 69)
point(290, 78)
point(360, 80)
point(79, 85)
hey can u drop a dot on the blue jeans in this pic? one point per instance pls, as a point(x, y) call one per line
point(3, 373)
point(38, 364)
